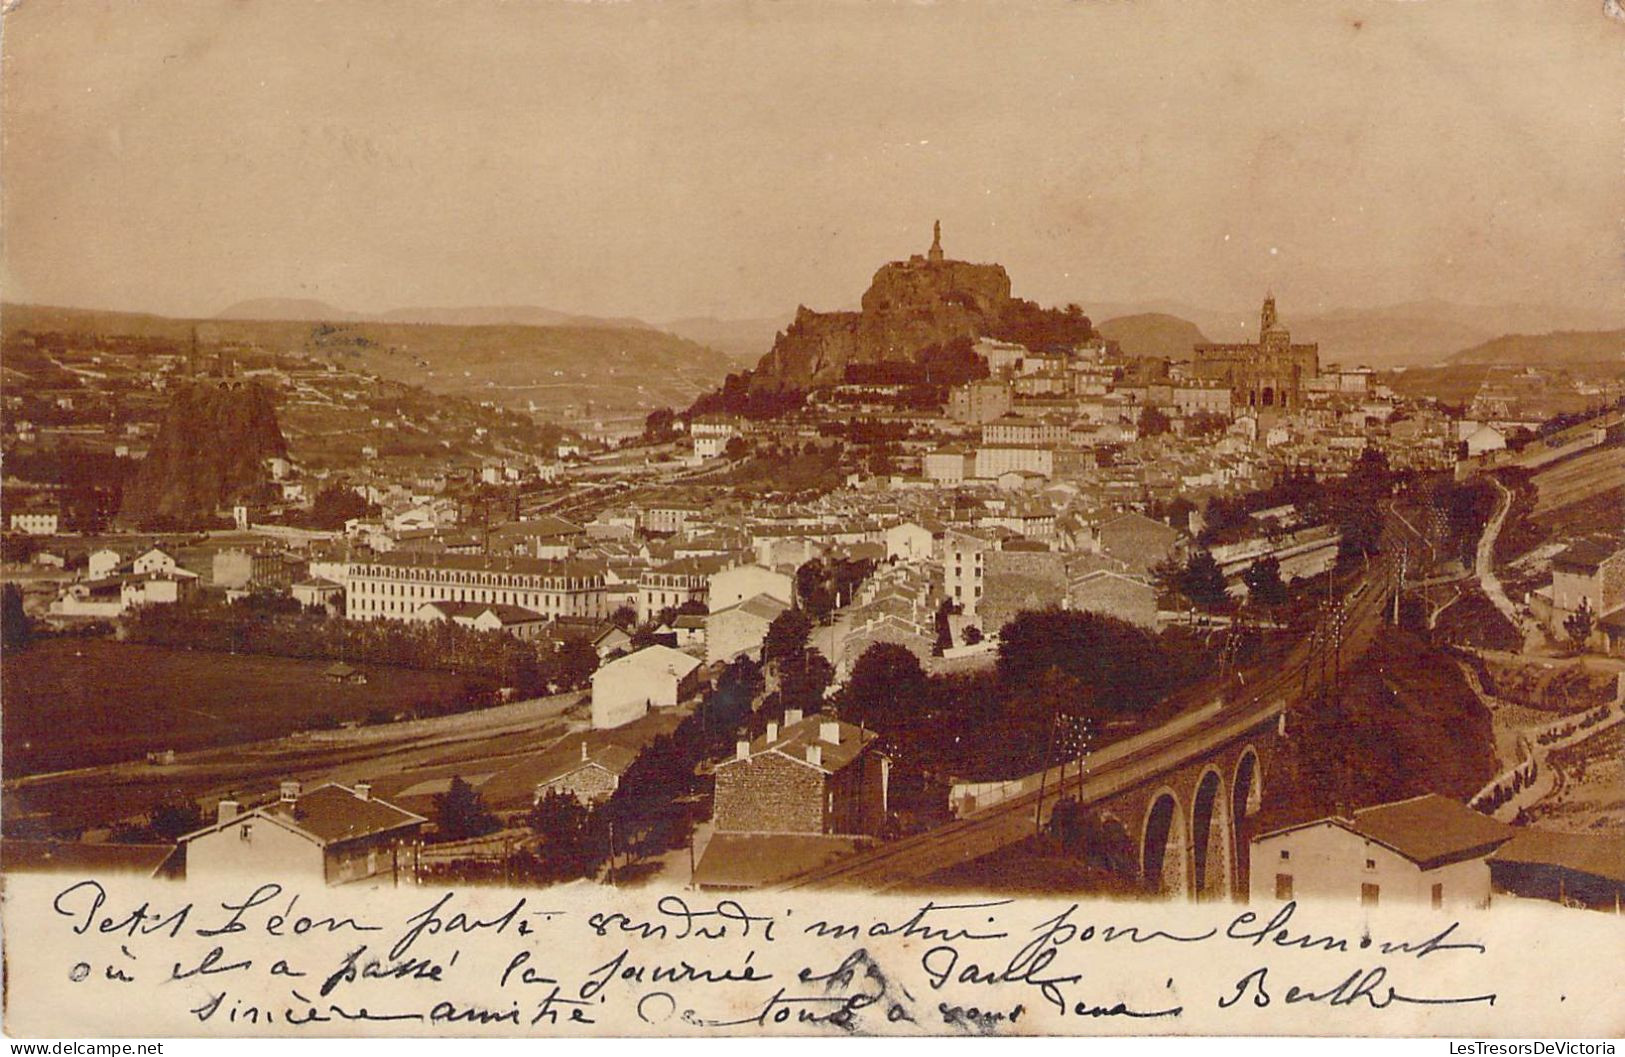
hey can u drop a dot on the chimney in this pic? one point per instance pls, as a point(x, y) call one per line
point(815, 755)
point(741, 750)
point(792, 716)
point(583, 750)
point(226, 811)
point(363, 790)
point(772, 731)
point(830, 732)
point(290, 792)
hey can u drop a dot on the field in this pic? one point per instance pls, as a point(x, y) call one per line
point(80, 702)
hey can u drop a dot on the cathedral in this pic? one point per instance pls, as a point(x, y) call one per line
point(1269, 374)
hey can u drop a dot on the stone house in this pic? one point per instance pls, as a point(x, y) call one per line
point(592, 778)
point(812, 776)
point(1115, 595)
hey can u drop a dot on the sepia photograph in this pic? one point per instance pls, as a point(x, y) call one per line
point(548, 519)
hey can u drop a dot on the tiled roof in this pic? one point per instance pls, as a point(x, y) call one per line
point(332, 813)
point(50, 856)
point(1598, 854)
point(794, 739)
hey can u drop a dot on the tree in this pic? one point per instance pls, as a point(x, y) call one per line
point(571, 846)
point(1580, 623)
point(786, 637)
point(886, 688)
point(173, 819)
point(15, 626)
point(1121, 665)
point(736, 448)
point(803, 678)
point(336, 504)
point(624, 617)
point(460, 812)
point(1153, 422)
point(1264, 583)
point(574, 664)
point(1203, 581)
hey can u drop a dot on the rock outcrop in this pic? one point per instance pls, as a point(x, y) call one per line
point(211, 449)
point(909, 307)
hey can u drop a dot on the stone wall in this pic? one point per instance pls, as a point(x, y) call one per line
point(769, 793)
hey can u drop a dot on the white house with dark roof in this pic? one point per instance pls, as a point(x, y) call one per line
point(484, 616)
point(1428, 850)
point(654, 677)
point(334, 834)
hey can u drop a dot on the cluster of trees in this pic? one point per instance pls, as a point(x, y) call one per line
point(738, 397)
point(823, 586)
point(997, 724)
point(1029, 324)
point(1197, 581)
point(441, 645)
point(801, 672)
point(1152, 422)
point(938, 367)
point(336, 504)
point(1580, 624)
point(1516, 783)
point(15, 626)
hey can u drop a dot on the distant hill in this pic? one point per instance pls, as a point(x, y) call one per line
point(288, 308)
point(743, 340)
point(1153, 334)
point(567, 373)
point(1412, 333)
point(1559, 347)
point(504, 315)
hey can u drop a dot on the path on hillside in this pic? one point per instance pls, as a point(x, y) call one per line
point(1484, 567)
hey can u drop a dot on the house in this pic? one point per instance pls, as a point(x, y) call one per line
point(654, 677)
point(670, 585)
point(729, 587)
point(156, 560)
point(689, 631)
point(1588, 573)
point(35, 522)
point(1022, 575)
point(1428, 850)
point(1115, 595)
point(910, 542)
point(485, 616)
point(592, 778)
point(89, 860)
point(334, 834)
point(339, 672)
point(814, 775)
point(1575, 869)
point(102, 563)
point(1485, 438)
point(318, 591)
point(740, 629)
point(1137, 541)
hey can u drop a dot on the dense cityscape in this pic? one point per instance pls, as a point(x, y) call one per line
point(952, 590)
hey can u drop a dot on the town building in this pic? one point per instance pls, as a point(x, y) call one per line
point(395, 587)
point(976, 402)
point(332, 834)
point(814, 775)
point(485, 616)
point(1268, 374)
point(740, 629)
point(35, 522)
point(672, 585)
point(592, 777)
point(1428, 850)
point(626, 688)
point(735, 584)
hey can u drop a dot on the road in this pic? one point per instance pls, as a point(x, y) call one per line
point(1343, 633)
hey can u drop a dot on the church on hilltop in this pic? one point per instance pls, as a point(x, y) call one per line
point(1268, 374)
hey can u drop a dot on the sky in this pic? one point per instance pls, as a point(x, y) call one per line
point(737, 159)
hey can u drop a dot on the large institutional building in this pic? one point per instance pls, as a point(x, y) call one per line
point(1270, 374)
point(396, 586)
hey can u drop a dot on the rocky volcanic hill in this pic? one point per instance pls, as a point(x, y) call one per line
point(211, 448)
point(909, 307)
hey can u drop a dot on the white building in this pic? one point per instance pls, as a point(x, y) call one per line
point(1429, 850)
point(910, 542)
point(733, 586)
point(35, 522)
point(654, 677)
point(395, 586)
